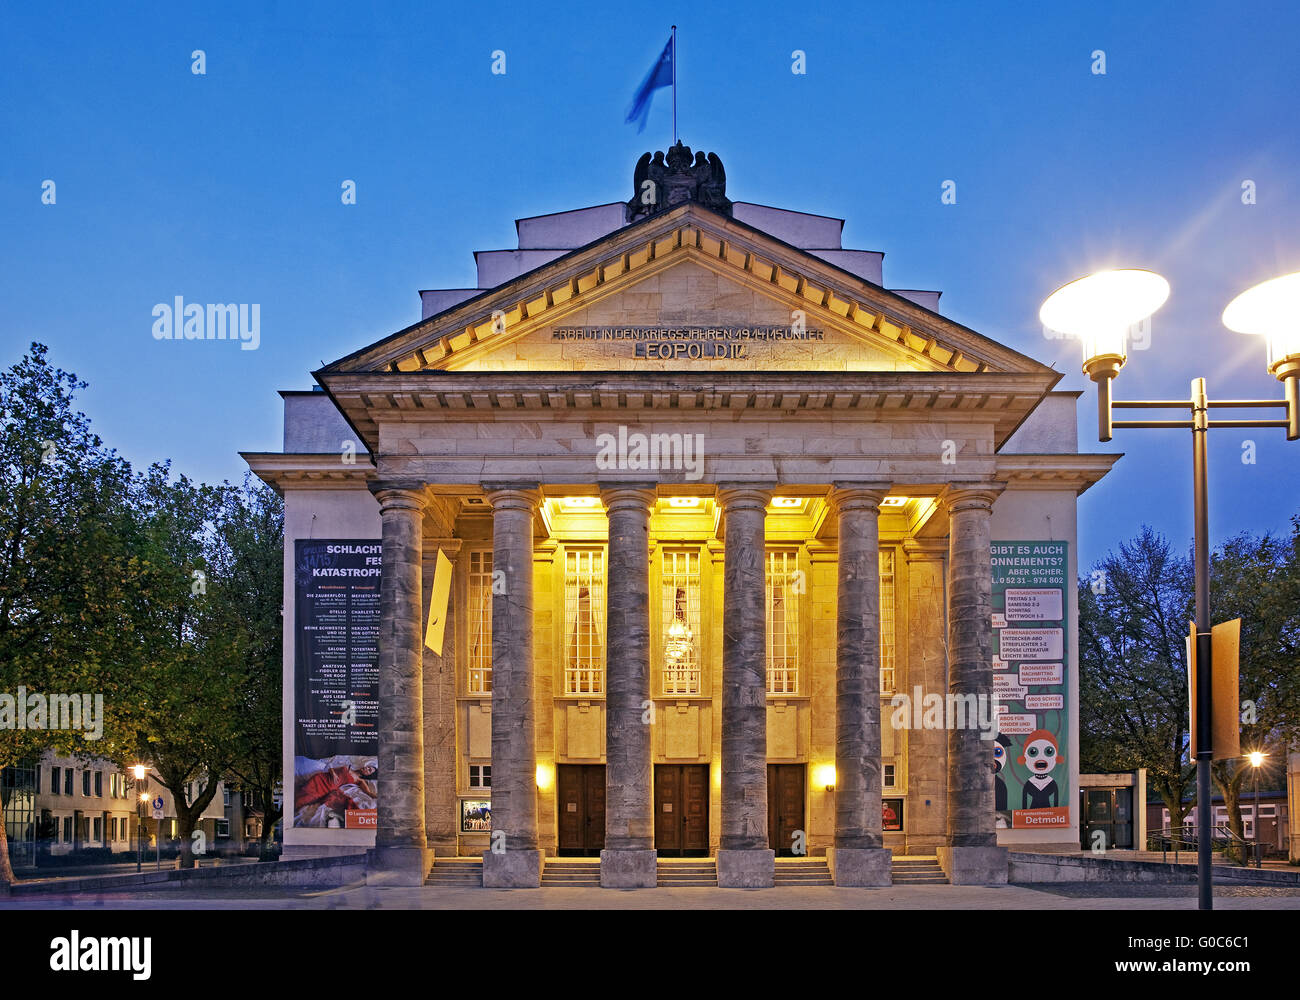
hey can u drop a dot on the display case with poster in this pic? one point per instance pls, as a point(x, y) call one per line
point(1028, 755)
point(336, 682)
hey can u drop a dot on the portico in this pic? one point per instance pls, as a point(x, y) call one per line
point(683, 586)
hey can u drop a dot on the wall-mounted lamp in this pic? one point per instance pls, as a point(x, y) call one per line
point(825, 776)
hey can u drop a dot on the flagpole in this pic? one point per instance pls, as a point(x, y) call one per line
point(674, 83)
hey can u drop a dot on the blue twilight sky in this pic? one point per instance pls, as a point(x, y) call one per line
point(225, 187)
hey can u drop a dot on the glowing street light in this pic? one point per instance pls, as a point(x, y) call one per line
point(1100, 309)
point(1256, 760)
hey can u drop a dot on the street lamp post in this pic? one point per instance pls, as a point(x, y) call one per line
point(138, 772)
point(1100, 309)
point(1256, 759)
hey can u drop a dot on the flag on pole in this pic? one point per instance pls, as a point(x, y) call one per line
point(660, 75)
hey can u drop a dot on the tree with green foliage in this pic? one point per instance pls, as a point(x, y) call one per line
point(247, 591)
point(185, 714)
point(1257, 579)
point(1133, 613)
point(66, 566)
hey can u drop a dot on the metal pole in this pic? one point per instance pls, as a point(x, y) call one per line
point(139, 838)
point(158, 852)
point(675, 83)
point(1204, 671)
point(1259, 858)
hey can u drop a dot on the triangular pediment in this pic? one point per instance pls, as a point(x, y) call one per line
point(687, 290)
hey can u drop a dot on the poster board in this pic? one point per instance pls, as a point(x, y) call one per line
point(336, 682)
point(1030, 659)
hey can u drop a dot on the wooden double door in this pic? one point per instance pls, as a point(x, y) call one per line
point(785, 804)
point(682, 810)
point(581, 802)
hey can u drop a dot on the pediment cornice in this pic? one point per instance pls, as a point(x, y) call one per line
point(735, 251)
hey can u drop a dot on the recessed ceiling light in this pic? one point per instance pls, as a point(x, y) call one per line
point(787, 501)
point(580, 502)
point(894, 502)
point(684, 501)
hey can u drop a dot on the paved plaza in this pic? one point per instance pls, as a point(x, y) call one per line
point(1061, 896)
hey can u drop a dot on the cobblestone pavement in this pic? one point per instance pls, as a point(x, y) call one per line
point(1059, 896)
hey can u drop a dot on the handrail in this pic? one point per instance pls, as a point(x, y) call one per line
point(1179, 842)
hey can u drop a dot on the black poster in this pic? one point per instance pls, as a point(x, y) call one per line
point(336, 681)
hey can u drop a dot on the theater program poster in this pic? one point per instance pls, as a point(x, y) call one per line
point(336, 682)
point(1031, 780)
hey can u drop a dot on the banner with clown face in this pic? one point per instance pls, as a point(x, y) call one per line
point(1031, 781)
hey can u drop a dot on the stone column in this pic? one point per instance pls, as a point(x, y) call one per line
point(858, 857)
point(926, 639)
point(401, 855)
point(745, 861)
point(513, 859)
point(972, 856)
point(628, 860)
point(441, 806)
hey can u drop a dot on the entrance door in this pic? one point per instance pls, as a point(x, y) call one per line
point(581, 802)
point(682, 810)
point(785, 794)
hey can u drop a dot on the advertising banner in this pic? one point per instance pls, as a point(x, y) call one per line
point(336, 682)
point(1030, 608)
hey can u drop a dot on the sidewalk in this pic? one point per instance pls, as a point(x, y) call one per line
point(1183, 858)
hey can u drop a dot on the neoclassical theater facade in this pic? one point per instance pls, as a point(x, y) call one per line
point(633, 551)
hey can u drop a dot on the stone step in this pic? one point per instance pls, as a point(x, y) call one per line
point(810, 871)
point(917, 870)
point(575, 873)
point(693, 873)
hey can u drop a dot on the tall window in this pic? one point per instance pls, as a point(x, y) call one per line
point(784, 582)
point(888, 650)
point(584, 621)
point(480, 622)
point(679, 610)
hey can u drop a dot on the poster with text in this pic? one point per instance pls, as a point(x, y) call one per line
point(1030, 608)
point(336, 682)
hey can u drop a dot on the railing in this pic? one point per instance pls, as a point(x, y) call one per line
point(1221, 838)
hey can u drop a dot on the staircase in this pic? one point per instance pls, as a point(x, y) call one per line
point(571, 873)
point(688, 873)
point(802, 871)
point(917, 870)
point(456, 873)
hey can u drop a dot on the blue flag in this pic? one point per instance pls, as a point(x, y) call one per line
point(660, 75)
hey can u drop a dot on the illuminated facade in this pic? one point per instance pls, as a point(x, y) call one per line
point(706, 497)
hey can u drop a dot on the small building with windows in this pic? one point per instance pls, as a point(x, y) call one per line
point(680, 535)
point(73, 809)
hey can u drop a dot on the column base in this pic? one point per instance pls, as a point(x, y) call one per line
point(629, 869)
point(512, 870)
point(974, 865)
point(860, 866)
point(398, 866)
point(746, 869)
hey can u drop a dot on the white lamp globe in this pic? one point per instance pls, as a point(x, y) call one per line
point(1101, 308)
point(1272, 310)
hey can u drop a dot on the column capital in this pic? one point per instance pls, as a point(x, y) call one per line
point(852, 496)
point(743, 497)
point(513, 496)
point(627, 498)
point(392, 497)
point(975, 496)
